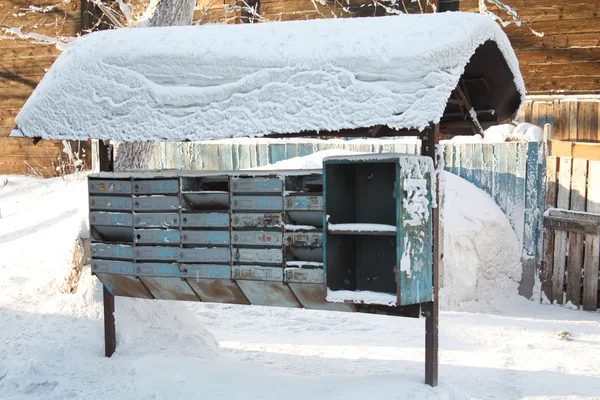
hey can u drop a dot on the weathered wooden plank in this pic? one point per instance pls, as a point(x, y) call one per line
point(501, 175)
point(225, 157)
point(572, 120)
point(531, 203)
point(487, 174)
point(519, 201)
point(277, 152)
point(448, 154)
point(247, 155)
point(548, 246)
point(477, 164)
point(589, 151)
point(562, 82)
point(587, 123)
point(561, 237)
point(262, 150)
point(291, 150)
point(591, 259)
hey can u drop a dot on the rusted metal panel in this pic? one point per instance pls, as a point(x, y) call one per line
point(103, 250)
point(110, 203)
point(205, 237)
point(304, 239)
point(307, 274)
point(257, 238)
point(304, 203)
point(126, 286)
point(205, 220)
point(102, 186)
point(256, 203)
point(256, 185)
point(169, 289)
point(111, 219)
point(218, 291)
point(205, 271)
point(275, 294)
point(156, 186)
point(156, 220)
point(156, 236)
point(155, 203)
point(258, 273)
point(268, 256)
point(312, 296)
point(205, 255)
point(158, 253)
point(256, 220)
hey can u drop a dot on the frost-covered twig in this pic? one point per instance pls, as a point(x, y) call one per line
point(483, 9)
point(16, 34)
point(45, 9)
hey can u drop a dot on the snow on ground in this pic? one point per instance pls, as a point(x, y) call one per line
point(51, 344)
point(220, 81)
point(502, 133)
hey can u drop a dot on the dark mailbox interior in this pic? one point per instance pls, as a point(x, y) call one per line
point(361, 193)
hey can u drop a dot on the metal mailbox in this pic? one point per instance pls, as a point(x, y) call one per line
point(156, 236)
point(157, 269)
point(156, 220)
point(119, 251)
point(247, 255)
point(205, 271)
point(304, 239)
point(155, 203)
point(112, 267)
point(256, 203)
point(156, 186)
point(304, 275)
point(257, 238)
point(304, 203)
point(109, 186)
point(205, 255)
point(148, 253)
point(257, 273)
point(205, 237)
point(111, 219)
point(205, 220)
point(110, 203)
point(256, 220)
point(256, 185)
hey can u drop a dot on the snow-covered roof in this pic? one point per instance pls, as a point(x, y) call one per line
point(222, 81)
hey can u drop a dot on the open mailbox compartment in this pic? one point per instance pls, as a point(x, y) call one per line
point(377, 229)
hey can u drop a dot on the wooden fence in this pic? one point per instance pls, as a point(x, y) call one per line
point(571, 251)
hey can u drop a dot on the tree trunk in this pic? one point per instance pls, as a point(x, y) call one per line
point(136, 155)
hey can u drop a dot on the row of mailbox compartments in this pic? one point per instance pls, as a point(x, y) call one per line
point(207, 201)
point(301, 273)
point(203, 255)
point(212, 237)
point(224, 183)
point(195, 220)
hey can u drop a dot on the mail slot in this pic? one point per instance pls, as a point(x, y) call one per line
point(307, 203)
point(304, 239)
point(156, 220)
point(205, 220)
point(205, 237)
point(256, 203)
point(109, 186)
point(156, 236)
point(155, 203)
point(256, 185)
point(208, 201)
point(202, 271)
point(268, 256)
point(157, 253)
point(111, 219)
point(257, 273)
point(157, 269)
point(103, 250)
point(205, 255)
point(112, 267)
point(110, 203)
point(114, 234)
point(256, 220)
point(157, 186)
point(257, 238)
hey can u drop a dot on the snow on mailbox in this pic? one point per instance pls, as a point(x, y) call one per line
point(378, 229)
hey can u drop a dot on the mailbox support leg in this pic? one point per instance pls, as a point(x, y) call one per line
point(110, 337)
point(431, 309)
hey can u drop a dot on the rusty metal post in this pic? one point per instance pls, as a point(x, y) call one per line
point(431, 309)
point(105, 158)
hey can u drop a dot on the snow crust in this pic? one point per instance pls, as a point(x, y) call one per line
point(221, 81)
point(358, 296)
point(502, 133)
point(361, 228)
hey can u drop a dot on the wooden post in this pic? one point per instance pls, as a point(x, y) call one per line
point(431, 309)
point(105, 158)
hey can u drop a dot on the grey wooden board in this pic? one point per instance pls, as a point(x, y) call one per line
point(592, 247)
point(205, 220)
point(156, 236)
point(103, 186)
point(312, 296)
point(169, 289)
point(561, 237)
point(156, 186)
point(156, 203)
point(257, 273)
point(218, 291)
point(126, 286)
point(576, 226)
point(111, 218)
point(205, 271)
point(257, 238)
point(156, 220)
point(256, 220)
point(256, 185)
point(256, 203)
point(303, 275)
point(110, 203)
point(548, 240)
point(205, 237)
point(275, 294)
point(111, 251)
point(575, 258)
